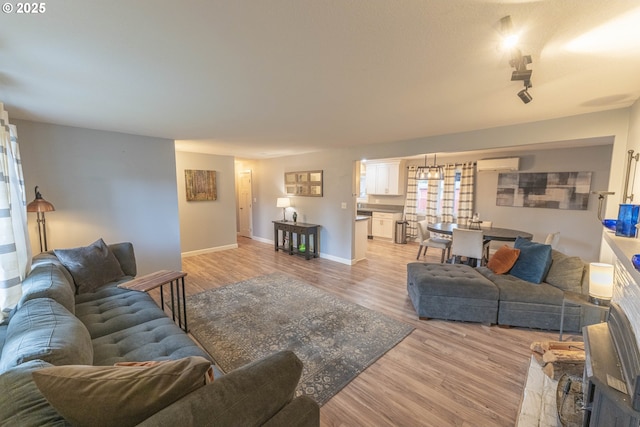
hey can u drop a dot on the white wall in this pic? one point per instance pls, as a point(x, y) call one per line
point(104, 184)
point(336, 223)
point(207, 226)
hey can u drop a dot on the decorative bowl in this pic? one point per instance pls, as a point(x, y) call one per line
point(610, 224)
point(635, 260)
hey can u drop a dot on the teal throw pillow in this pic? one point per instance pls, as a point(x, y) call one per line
point(534, 261)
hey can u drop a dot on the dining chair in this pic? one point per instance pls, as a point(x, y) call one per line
point(469, 244)
point(552, 239)
point(426, 241)
point(487, 243)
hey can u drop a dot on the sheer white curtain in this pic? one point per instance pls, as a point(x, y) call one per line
point(15, 252)
point(410, 203)
point(449, 193)
point(467, 184)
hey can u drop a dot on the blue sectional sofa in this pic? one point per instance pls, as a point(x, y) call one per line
point(54, 326)
point(460, 292)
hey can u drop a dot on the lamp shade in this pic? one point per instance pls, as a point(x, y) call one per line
point(39, 204)
point(600, 281)
point(283, 202)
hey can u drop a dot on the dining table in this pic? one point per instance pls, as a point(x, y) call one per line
point(490, 233)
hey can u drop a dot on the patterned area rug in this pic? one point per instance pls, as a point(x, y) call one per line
point(335, 339)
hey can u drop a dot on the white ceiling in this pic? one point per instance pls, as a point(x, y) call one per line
point(267, 78)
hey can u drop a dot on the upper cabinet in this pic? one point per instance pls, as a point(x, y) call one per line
point(385, 178)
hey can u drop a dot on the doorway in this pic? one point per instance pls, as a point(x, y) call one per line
point(245, 217)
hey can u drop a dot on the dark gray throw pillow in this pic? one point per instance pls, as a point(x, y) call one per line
point(91, 266)
point(534, 260)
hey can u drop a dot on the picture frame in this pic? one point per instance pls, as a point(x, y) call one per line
point(304, 183)
point(200, 185)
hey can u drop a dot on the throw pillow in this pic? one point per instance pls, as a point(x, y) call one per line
point(504, 258)
point(91, 266)
point(566, 272)
point(534, 260)
point(118, 396)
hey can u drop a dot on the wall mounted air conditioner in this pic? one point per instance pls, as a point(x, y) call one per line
point(505, 164)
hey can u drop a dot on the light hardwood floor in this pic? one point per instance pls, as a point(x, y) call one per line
point(443, 374)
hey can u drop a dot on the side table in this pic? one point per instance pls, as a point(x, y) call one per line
point(160, 278)
point(591, 313)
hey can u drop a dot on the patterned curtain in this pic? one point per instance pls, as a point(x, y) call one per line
point(433, 188)
point(15, 251)
point(411, 202)
point(467, 187)
point(448, 194)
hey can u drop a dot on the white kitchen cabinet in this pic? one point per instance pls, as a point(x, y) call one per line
point(383, 224)
point(385, 178)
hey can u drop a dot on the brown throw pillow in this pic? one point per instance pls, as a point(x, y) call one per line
point(504, 258)
point(91, 266)
point(102, 396)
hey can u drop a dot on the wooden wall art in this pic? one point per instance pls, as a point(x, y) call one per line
point(201, 185)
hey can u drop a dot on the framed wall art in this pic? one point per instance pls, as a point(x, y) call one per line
point(553, 190)
point(200, 185)
point(303, 183)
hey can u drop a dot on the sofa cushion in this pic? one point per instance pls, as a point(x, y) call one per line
point(566, 272)
point(113, 309)
point(21, 403)
point(504, 258)
point(514, 289)
point(533, 262)
point(91, 266)
point(158, 339)
point(119, 396)
point(43, 329)
point(46, 280)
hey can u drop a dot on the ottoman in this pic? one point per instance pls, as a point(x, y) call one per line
point(452, 292)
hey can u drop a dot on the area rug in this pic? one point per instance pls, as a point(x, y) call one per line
point(335, 339)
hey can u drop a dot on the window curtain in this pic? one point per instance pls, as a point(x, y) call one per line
point(433, 188)
point(448, 193)
point(467, 187)
point(15, 251)
point(410, 203)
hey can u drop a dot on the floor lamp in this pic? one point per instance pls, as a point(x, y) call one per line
point(40, 206)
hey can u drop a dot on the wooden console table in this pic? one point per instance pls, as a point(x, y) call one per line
point(160, 278)
point(296, 230)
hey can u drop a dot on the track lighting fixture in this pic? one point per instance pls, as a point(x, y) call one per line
point(525, 96)
point(518, 60)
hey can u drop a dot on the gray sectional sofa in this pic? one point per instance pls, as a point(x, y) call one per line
point(54, 326)
point(461, 292)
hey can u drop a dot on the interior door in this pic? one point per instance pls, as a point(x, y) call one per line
point(244, 204)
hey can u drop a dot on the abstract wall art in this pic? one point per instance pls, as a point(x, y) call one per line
point(200, 185)
point(552, 190)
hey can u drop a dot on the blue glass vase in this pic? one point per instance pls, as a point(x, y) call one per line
point(627, 220)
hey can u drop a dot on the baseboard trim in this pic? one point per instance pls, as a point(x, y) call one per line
point(209, 250)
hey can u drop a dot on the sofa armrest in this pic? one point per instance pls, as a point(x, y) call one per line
point(302, 411)
point(247, 396)
point(126, 257)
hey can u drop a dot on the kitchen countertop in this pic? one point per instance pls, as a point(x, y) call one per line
point(385, 210)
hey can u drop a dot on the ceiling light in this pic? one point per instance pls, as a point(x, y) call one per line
point(510, 38)
point(525, 96)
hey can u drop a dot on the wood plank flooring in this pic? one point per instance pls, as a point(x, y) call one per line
point(443, 374)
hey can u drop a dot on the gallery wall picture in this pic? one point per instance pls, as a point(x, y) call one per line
point(553, 190)
point(200, 184)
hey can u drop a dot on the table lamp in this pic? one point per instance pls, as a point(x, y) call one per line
point(284, 203)
point(600, 283)
point(40, 206)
